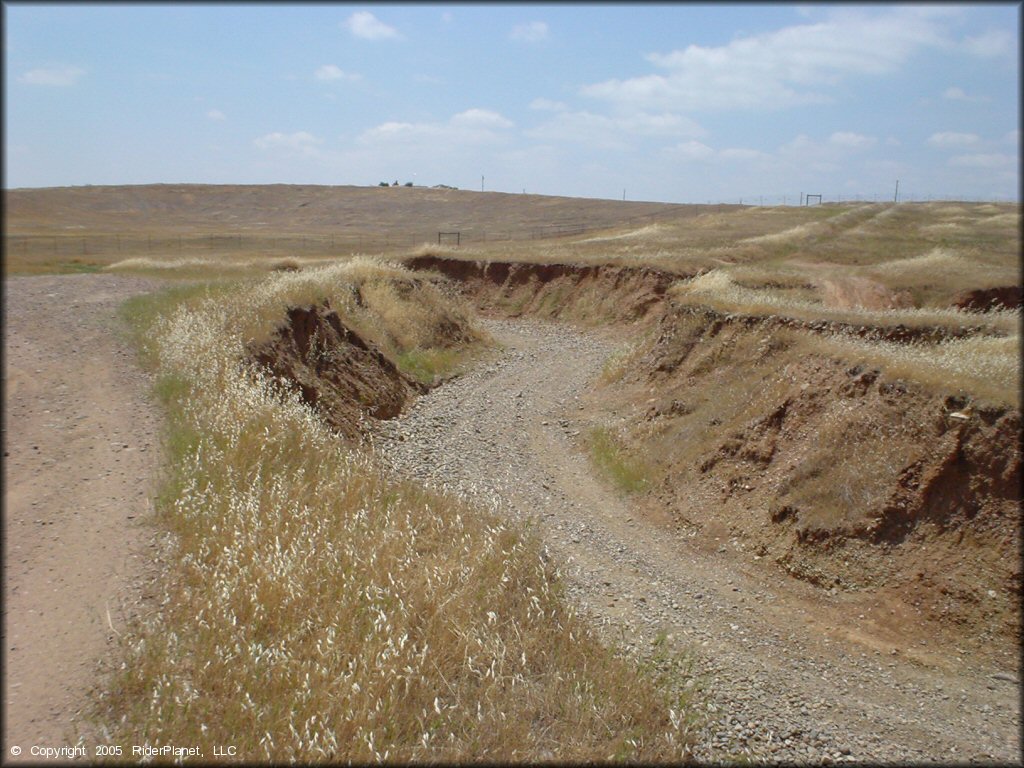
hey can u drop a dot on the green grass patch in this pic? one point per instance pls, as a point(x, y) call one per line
point(79, 266)
point(428, 366)
point(626, 472)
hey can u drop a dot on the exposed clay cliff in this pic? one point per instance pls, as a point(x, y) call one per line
point(342, 375)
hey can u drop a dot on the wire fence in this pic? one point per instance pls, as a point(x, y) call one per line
point(910, 196)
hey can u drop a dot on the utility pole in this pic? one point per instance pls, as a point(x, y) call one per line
point(896, 197)
point(481, 183)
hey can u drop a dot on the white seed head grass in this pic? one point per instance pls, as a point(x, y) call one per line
point(321, 609)
point(718, 287)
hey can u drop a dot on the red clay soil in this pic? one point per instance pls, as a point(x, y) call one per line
point(342, 375)
point(843, 476)
point(985, 299)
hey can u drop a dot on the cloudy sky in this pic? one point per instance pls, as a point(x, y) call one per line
point(675, 103)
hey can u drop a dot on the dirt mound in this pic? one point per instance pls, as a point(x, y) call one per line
point(583, 292)
point(984, 299)
point(342, 375)
point(862, 293)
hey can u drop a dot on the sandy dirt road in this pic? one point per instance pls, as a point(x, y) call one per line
point(80, 441)
point(790, 675)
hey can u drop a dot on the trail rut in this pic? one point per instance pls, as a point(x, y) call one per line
point(80, 438)
point(787, 674)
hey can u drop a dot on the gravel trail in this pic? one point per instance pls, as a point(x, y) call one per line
point(779, 686)
point(80, 437)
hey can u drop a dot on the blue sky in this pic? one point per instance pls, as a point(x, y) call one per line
point(667, 102)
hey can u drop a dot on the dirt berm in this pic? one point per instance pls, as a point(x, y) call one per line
point(345, 377)
point(756, 436)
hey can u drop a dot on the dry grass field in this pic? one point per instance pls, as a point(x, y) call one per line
point(834, 387)
point(85, 228)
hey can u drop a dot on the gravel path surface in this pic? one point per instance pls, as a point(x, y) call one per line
point(779, 687)
point(80, 439)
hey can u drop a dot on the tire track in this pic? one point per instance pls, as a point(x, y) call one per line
point(80, 441)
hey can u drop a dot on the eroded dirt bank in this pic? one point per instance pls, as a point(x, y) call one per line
point(338, 372)
point(554, 290)
point(894, 508)
point(784, 685)
point(842, 475)
point(80, 450)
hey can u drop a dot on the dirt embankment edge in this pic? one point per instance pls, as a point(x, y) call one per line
point(843, 475)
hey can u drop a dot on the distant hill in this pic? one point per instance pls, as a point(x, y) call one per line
point(307, 209)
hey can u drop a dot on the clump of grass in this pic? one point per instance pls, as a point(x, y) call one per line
point(429, 366)
point(987, 367)
point(321, 610)
point(627, 473)
point(717, 289)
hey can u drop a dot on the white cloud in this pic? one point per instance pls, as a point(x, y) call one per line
point(947, 139)
point(216, 115)
point(991, 45)
point(533, 32)
point(332, 72)
point(851, 140)
point(471, 127)
point(586, 128)
point(60, 77)
point(741, 154)
point(300, 142)
point(481, 118)
point(365, 25)
point(547, 105)
point(788, 67)
point(691, 150)
point(984, 161)
point(1012, 137)
point(955, 93)
point(615, 133)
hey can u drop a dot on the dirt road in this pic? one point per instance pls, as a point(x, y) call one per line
point(80, 438)
point(789, 677)
point(80, 450)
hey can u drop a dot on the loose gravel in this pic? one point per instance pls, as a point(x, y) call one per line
point(775, 688)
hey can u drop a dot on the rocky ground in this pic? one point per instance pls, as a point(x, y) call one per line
point(80, 452)
point(81, 440)
point(788, 674)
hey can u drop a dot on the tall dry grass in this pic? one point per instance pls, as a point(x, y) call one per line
point(718, 289)
point(320, 610)
point(988, 365)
